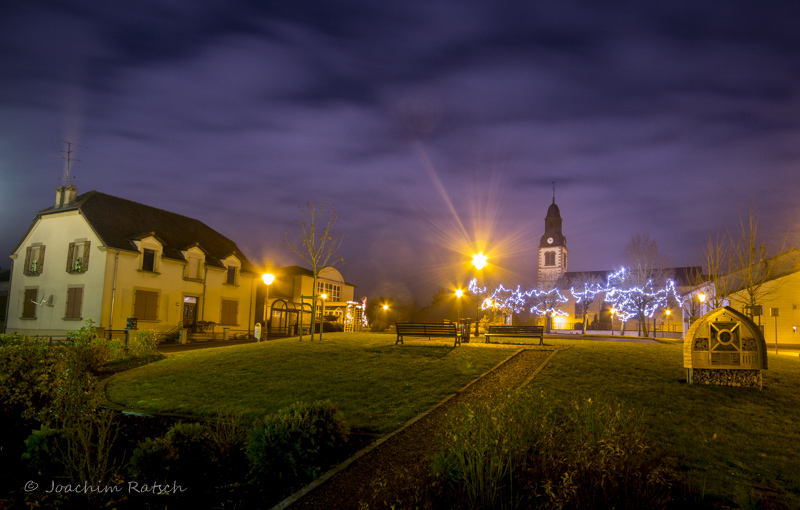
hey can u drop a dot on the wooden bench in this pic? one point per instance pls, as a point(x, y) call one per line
point(428, 329)
point(516, 332)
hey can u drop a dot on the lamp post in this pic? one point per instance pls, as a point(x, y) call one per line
point(667, 312)
point(613, 311)
point(322, 315)
point(479, 260)
point(267, 278)
point(702, 298)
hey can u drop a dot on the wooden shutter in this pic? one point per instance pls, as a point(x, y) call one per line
point(71, 259)
point(28, 307)
point(40, 267)
point(74, 302)
point(86, 249)
point(152, 306)
point(27, 267)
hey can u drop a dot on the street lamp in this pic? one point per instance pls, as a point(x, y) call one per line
point(479, 260)
point(322, 314)
point(267, 278)
point(613, 311)
point(667, 312)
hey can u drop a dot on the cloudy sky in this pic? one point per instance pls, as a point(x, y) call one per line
point(433, 127)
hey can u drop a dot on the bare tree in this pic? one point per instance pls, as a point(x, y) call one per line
point(756, 273)
point(717, 259)
point(585, 287)
point(316, 244)
point(645, 273)
point(691, 305)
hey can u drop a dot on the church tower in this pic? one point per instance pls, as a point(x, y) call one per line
point(552, 248)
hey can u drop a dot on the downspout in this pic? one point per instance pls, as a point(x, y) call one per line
point(8, 298)
point(203, 304)
point(113, 295)
point(251, 307)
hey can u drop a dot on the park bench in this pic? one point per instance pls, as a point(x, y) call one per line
point(428, 329)
point(516, 332)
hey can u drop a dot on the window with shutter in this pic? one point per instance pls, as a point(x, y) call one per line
point(231, 280)
point(29, 305)
point(74, 303)
point(78, 256)
point(230, 309)
point(34, 260)
point(145, 305)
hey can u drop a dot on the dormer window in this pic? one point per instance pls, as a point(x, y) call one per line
point(34, 260)
point(149, 260)
point(78, 256)
point(194, 268)
point(231, 279)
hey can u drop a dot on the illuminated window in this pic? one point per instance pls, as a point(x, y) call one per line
point(333, 291)
point(34, 260)
point(78, 257)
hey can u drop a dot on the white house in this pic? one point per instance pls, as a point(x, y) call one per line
point(99, 257)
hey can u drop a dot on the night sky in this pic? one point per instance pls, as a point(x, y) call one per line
point(434, 127)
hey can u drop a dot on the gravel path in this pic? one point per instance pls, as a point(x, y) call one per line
point(381, 473)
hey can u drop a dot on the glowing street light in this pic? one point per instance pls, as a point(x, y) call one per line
point(479, 260)
point(267, 278)
point(322, 314)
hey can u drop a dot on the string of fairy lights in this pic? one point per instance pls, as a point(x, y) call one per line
point(628, 299)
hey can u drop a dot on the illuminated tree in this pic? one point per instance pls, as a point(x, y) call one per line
point(316, 244)
point(584, 288)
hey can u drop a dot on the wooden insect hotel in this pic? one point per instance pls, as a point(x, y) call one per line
point(725, 348)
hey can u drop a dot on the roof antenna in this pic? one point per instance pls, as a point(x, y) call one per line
point(69, 158)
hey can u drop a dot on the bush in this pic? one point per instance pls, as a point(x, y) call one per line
point(30, 373)
point(144, 344)
point(42, 455)
point(525, 451)
point(183, 453)
point(296, 443)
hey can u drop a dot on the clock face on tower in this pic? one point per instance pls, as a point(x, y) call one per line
point(549, 240)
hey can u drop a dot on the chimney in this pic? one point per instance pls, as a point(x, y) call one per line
point(70, 194)
point(66, 195)
point(59, 196)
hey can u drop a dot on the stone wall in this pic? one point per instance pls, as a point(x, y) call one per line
point(727, 377)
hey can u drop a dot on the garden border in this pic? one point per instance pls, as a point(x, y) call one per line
point(346, 463)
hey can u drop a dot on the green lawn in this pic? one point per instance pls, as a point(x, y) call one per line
point(377, 384)
point(729, 438)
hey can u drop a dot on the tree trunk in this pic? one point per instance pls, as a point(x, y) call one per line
point(314, 307)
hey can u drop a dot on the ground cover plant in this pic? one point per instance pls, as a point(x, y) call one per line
point(376, 384)
point(737, 444)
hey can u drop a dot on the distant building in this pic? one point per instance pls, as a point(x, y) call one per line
point(777, 313)
point(553, 272)
point(285, 300)
point(99, 257)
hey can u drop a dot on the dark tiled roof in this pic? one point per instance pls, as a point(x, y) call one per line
point(119, 222)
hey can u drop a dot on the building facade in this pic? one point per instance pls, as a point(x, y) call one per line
point(107, 259)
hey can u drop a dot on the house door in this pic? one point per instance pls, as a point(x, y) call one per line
point(189, 312)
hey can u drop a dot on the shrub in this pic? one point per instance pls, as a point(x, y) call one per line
point(183, 453)
point(41, 452)
point(30, 373)
point(295, 443)
point(144, 344)
point(525, 451)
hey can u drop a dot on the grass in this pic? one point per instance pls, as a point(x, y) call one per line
point(729, 439)
point(378, 385)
